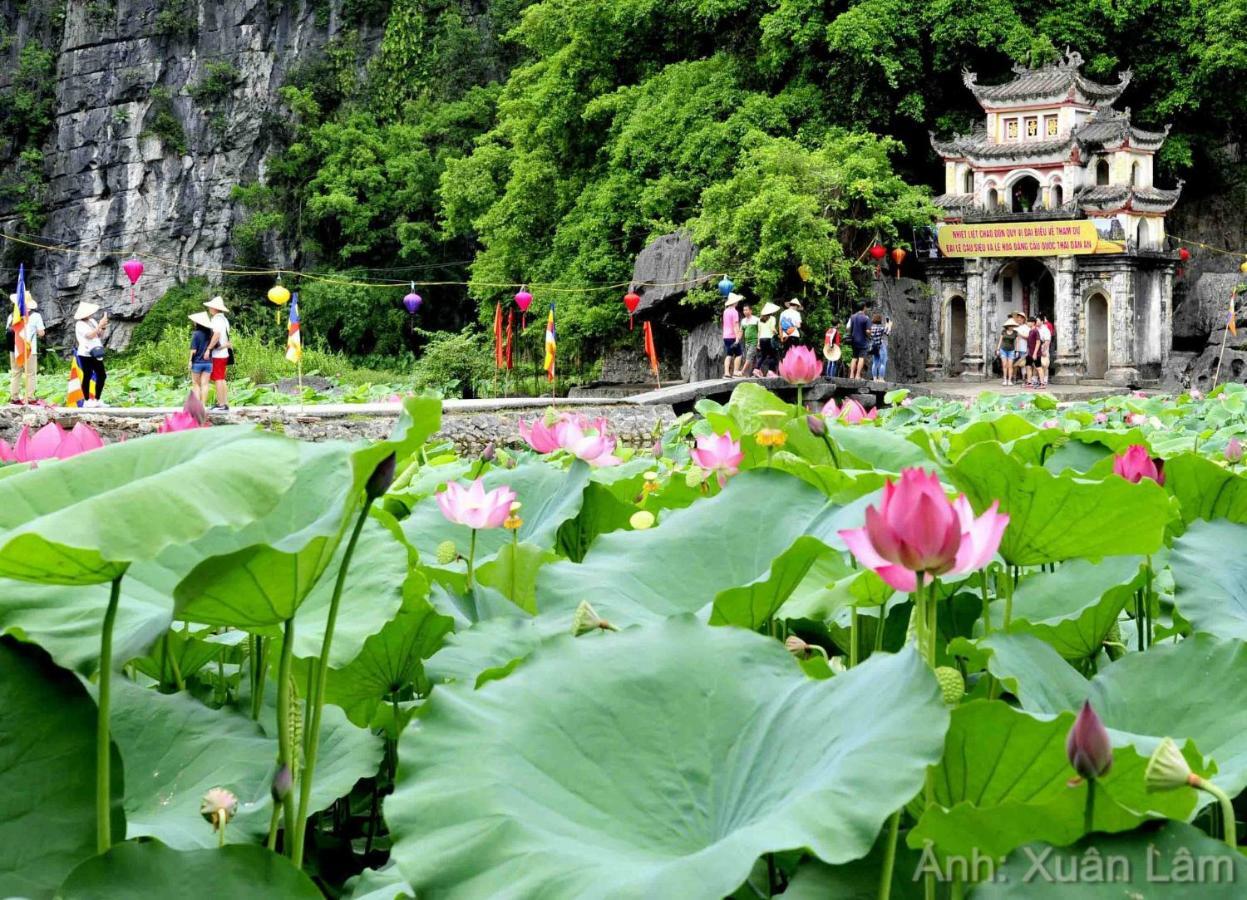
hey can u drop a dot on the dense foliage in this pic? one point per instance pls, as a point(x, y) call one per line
point(547, 142)
point(449, 695)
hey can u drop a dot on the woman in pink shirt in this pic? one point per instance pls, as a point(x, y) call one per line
point(731, 333)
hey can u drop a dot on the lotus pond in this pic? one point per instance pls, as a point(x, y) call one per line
point(989, 650)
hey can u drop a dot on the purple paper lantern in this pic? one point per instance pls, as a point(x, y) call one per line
point(412, 301)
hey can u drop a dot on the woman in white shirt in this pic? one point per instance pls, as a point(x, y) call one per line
point(218, 350)
point(27, 374)
point(89, 333)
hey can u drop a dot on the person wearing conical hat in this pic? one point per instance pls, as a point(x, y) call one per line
point(89, 333)
point(201, 368)
point(768, 352)
point(218, 352)
point(731, 332)
point(27, 374)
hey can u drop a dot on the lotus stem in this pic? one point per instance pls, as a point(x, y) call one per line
point(1088, 813)
point(221, 821)
point(800, 399)
point(831, 448)
point(103, 755)
point(889, 856)
point(854, 635)
point(471, 557)
point(1229, 828)
point(261, 667)
point(987, 612)
point(1153, 601)
point(285, 751)
point(322, 678)
point(1009, 583)
point(879, 628)
point(272, 826)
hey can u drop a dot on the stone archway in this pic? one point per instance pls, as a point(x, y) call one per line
point(956, 335)
point(1097, 335)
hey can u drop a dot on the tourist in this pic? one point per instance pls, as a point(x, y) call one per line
point(1021, 331)
point(89, 334)
point(1032, 352)
point(859, 340)
point(28, 373)
point(768, 351)
point(879, 331)
point(748, 360)
point(219, 351)
point(731, 333)
point(790, 324)
point(201, 366)
point(1004, 349)
point(1045, 350)
point(832, 351)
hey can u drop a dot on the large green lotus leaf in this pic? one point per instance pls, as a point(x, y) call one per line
point(66, 620)
point(601, 512)
point(856, 880)
point(513, 573)
point(347, 752)
point(742, 410)
point(876, 448)
point(175, 750)
point(1210, 574)
point(85, 522)
point(682, 565)
point(47, 772)
point(1002, 429)
point(841, 485)
point(640, 776)
point(752, 605)
point(1176, 861)
point(259, 575)
point(178, 652)
point(1189, 690)
point(148, 870)
point(1058, 517)
point(824, 590)
point(1034, 672)
point(492, 644)
point(549, 494)
point(386, 883)
point(1078, 455)
point(1206, 490)
point(380, 571)
point(1074, 608)
point(419, 420)
point(1004, 781)
point(390, 660)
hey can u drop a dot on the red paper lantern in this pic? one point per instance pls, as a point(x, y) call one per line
point(631, 300)
point(1184, 254)
point(877, 252)
point(898, 256)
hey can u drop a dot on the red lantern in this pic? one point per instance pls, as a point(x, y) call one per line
point(898, 256)
point(1184, 254)
point(631, 300)
point(877, 252)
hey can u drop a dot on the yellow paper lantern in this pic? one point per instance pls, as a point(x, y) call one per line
point(805, 272)
point(1243, 267)
point(278, 295)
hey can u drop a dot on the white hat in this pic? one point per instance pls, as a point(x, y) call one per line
point(216, 303)
point(30, 300)
point(795, 302)
point(200, 318)
point(770, 309)
point(86, 310)
point(732, 300)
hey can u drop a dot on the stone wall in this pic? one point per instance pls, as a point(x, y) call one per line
point(469, 430)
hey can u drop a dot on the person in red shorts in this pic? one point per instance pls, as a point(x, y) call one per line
point(218, 351)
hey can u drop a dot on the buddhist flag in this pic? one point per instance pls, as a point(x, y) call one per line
point(294, 341)
point(500, 359)
point(511, 340)
point(21, 347)
point(1232, 326)
point(551, 345)
point(73, 394)
point(650, 350)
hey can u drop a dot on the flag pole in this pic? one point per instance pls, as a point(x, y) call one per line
point(299, 370)
point(1225, 338)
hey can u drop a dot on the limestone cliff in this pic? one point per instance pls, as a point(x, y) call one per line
point(160, 107)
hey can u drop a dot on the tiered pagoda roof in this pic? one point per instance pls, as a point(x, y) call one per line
point(1106, 129)
point(1105, 198)
point(1055, 83)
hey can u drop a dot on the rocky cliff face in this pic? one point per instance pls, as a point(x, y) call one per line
point(161, 107)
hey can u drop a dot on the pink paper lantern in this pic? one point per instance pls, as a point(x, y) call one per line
point(133, 269)
point(523, 300)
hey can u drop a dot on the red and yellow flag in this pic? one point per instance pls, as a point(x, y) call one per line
point(499, 351)
point(73, 394)
point(21, 347)
point(551, 345)
point(650, 350)
point(1232, 326)
point(510, 339)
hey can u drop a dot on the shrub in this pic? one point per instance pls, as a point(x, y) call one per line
point(162, 120)
point(217, 83)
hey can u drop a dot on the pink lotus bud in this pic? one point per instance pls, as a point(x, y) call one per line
point(381, 478)
point(800, 366)
point(1101, 418)
point(1234, 450)
point(1137, 464)
point(282, 782)
point(816, 426)
point(1088, 746)
point(719, 454)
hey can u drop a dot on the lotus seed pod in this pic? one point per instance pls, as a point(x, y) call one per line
point(218, 807)
point(586, 619)
point(1167, 769)
point(447, 553)
point(952, 685)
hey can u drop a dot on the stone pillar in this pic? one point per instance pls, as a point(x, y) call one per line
point(976, 311)
point(1123, 343)
point(1069, 309)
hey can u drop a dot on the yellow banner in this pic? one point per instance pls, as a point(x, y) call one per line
point(1065, 238)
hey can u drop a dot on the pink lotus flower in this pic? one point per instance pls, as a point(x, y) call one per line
point(1137, 464)
point(1135, 419)
point(1196, 394)
point(1051, 423)
point(1101, 418)
point(192, 415)
point(51, 442)
point(916, 529)
point(1234, 450)
point(587, 440)
point(800, 366)
point(540, 437)
point(719, 454)
point(475, 507)
point(851, 413)
point(1088, 746)
point(907, 402)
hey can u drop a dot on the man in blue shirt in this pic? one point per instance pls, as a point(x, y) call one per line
point(859, 339)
